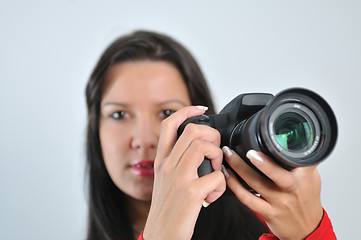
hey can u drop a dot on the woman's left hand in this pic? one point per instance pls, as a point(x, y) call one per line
point(290, 200)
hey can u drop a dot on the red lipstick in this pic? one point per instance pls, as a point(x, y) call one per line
point(143, 168)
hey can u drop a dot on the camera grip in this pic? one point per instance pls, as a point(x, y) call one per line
point(205, 167)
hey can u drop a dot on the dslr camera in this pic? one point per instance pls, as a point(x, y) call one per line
point(296, 128)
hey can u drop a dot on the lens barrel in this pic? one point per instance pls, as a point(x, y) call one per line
point(296, 128)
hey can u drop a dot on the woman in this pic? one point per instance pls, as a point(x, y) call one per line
point(141, 177)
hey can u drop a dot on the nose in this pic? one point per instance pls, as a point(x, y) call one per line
point(145, 134)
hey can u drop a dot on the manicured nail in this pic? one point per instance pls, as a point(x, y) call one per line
point(224, 171)
point(227, 151)
point(206, 204)
point(202, 107)
point(253, 155)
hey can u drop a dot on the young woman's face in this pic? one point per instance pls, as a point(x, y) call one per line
point(138, 96)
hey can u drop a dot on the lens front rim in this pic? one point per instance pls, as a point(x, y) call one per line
point(307, 114)
point(327, 130)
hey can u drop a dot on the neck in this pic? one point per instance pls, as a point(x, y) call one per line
point(138, 212)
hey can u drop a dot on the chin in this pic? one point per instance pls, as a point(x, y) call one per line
point(142, 193)
point(145, 198)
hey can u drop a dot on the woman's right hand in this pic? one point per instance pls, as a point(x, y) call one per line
point(178, 192)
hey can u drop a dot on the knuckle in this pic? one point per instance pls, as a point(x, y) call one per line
point(198, 131)
point(270, 215)
point(197, 145)
point(289, 184)
point(222, 180)
point(191, 129)
point(217, 134)
point(219, 175)
point(219, 153)
point(285, 203)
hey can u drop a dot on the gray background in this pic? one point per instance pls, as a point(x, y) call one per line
point(48, 50)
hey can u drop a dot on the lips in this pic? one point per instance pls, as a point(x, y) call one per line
point(143, 168)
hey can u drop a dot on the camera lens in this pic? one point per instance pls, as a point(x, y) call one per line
point(293, 132)
point(296, 128)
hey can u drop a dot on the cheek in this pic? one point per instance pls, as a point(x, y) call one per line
point(114, 146)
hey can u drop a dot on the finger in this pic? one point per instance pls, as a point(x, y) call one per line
point(199, 131)
point(211, 186)
point(254, 179)
point(169, 127)
point(193, 137)
point(253, 202)
point(283, 178)
point(195, 154)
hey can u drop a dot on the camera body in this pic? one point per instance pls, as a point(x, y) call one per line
point(295, 128)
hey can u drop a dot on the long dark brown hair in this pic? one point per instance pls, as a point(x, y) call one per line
point(108, 216)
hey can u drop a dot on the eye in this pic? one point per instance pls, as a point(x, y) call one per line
point(166, 113)
point(119, 115)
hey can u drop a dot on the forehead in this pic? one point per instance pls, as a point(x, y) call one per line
point(145, 80)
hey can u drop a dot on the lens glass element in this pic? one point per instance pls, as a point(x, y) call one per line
point(293, 132)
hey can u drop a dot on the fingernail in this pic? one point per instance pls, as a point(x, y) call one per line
point(224, 171)
point(227, 151)
point(202, 107)
point(206, 204)
point(253, 155)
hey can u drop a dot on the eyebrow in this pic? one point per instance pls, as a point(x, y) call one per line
point(172, 101)
point(159, 104)
point(115, 103)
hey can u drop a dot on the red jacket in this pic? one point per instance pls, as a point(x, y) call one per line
point(323, 232)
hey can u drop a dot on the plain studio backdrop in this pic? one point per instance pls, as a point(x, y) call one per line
point(49, 48)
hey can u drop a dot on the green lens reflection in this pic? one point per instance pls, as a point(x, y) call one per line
point(293, 132)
